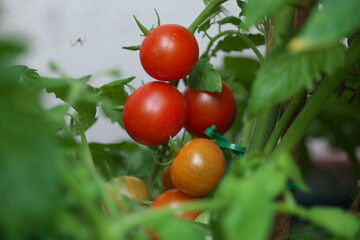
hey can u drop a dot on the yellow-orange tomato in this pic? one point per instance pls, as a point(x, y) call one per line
point(129, 186)
point(174, 197)
point(166, 178)
point(198, 167)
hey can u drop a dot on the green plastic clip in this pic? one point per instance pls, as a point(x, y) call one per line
point(224, 143)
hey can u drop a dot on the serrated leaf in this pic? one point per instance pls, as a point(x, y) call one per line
point(337, 221)
point(235, 43)
point(327, 25)
point(293, 72)
point(255, 10)
point(204, 77)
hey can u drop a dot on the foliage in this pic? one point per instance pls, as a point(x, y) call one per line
point(53, 179)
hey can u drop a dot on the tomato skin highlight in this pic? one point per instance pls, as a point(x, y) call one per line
point(205, 109)
point(198, 167)
point(153, 113)
point(173, 198)
point(169, 52)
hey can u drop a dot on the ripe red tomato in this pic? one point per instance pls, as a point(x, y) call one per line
point(154, 112)
point(198, 167)
point(209, 108)
point(169, 52)
point(173, 198)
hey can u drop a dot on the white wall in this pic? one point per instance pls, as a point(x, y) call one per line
point(52, 27)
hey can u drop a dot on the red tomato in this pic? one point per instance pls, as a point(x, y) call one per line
point(173, 198)
point(209, 108)
point(169, 52)
point(198, 167)
point(154, 112)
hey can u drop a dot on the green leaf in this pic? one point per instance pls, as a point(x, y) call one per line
point(10, 49)
point(335, 220)
point(176, 229)
point(143, 29)
point(284, 74)
point(328, 24)
point(230, 19)
point(132, 48)
point(306, 237)
point(234, 43)
point(29, 154)
point(110, 158)
point(111, 96)
point(249, 192)
point(244, 69)
point(255, 10)
point(204, 77)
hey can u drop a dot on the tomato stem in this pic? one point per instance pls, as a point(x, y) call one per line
point(208, 10)
point(239, 35)
point(86, 153)
point(283, 122)
point(265, 123)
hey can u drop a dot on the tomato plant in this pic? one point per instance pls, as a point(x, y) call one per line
point(169, 52)
point(198, 167)
point(301, 82)
point(173, 198)
point(205, 109)
point(154, 112)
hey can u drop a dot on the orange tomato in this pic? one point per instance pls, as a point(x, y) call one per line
point(198, 167)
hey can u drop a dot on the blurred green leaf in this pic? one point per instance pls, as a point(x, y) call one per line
point(338, 222)
point(328, 24)
point(255, 10)
point(230, 19)
point(234, 43)
point(245, 69)
point(29, 154)
point(307, 237)
point(284, 74)
point(204, 77)
point(251, 198)
point(111, 97)
point(125, 158)
point(176, 229)
point(10, 49)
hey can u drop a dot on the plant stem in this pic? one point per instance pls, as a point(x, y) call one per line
point(265, 122)
point(239, 35)
point(316, 102)
point(205, 14)
point(100, 226)
point(86, 153)
point(283, 122)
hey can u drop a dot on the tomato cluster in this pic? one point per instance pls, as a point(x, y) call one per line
point(157, 111)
